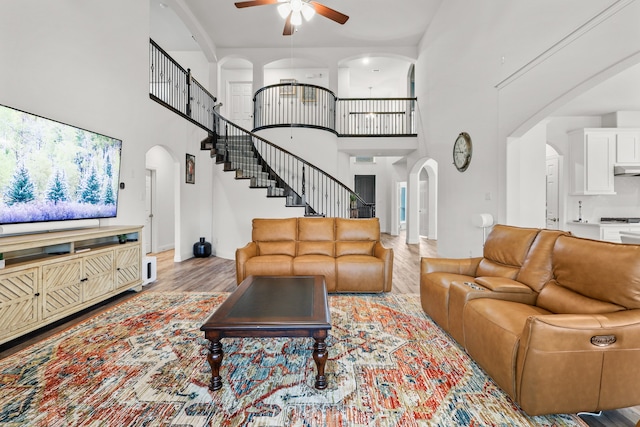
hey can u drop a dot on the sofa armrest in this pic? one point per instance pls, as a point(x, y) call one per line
point(242, 256)
point(503, 285)
point(464, 266)
point(496, 288)
point(386, 255)
point(590, 357)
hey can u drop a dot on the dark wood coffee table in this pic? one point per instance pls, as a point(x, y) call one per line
point(269, 306)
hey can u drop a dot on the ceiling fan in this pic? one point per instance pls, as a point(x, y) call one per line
point(294, 10)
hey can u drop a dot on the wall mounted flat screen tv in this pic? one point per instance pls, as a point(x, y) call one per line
point(51, 171)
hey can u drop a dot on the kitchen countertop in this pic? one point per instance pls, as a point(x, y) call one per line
point(606, 224)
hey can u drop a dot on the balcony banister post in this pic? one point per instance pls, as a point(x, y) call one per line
point(188, 79)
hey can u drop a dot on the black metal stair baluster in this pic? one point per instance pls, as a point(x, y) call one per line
point(188, 100)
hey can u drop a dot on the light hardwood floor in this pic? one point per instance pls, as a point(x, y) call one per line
point(217, 274)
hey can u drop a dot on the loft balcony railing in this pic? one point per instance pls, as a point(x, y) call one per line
point(175, 88)
point(304, 105)
point(265, 164)
point(376, 117)
point(294, 104)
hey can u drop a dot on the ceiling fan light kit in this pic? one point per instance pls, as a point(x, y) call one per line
point(308, 11)
point(292, 11)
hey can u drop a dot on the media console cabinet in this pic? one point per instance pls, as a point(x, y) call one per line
point(48, 276)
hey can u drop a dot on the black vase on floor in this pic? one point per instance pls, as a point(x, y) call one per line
point(201, 249)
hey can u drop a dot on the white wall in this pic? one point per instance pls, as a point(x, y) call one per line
point(194, 61)
point(235, 206)
point(318, 147)
point(526, 183)
point(312, 76)
point(86, 64)
point(463, 92)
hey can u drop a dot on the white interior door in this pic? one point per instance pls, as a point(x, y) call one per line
point(241, 104)
point(553, 194)
point(148, 205)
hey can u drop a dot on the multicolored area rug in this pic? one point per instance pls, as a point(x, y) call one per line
point(143, 363)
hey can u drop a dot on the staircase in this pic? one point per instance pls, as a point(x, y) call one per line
point(246, 154)
point(282, 173)
point(238, 154)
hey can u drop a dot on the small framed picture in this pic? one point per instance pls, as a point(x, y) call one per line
point(190, 169)
point(309, 94)
point(289, 90)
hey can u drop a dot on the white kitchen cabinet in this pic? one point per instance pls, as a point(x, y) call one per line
point(592, 156)
point(611, 233)
point(627, 146)
point(597, 231)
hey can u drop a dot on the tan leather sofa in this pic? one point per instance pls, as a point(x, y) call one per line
point(554, 319)
point(347, 252)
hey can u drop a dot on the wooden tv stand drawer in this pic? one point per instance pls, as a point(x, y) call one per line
point(48, 276)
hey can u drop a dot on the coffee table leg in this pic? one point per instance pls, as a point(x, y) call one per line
point(320, 356)
point(215, 361)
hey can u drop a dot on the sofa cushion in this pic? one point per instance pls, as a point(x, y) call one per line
point(591, 268)
point(354, 248)
point(317, 265)
point(277, 248)
point(316, 229)
point(316, 236)
point(558, 299)
point(537, 269)
point(316, 248)
point(359, 273)
point(275, 236)
point(505, 250)
point(269, 265)
point(274, 229)
point(357, 229)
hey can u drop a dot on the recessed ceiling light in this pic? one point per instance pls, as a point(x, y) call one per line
point(365, 60)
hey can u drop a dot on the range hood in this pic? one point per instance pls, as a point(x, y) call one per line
point(626, 170)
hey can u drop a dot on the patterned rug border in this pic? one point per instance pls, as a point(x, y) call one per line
point(410, 304)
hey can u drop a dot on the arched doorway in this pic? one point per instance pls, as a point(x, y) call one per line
point(422, 193)
point(162, 171)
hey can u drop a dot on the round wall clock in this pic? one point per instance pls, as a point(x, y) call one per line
point(462, 151)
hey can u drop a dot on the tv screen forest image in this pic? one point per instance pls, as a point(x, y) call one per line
point(50, 171)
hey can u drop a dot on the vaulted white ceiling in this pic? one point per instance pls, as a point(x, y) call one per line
point(372, 23)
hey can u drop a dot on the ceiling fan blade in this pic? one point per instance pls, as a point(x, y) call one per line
point(288, 28)
point(251, 3)
point(327, 12)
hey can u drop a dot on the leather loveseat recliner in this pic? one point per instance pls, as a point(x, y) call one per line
point(347, 252)
point(554, 319)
